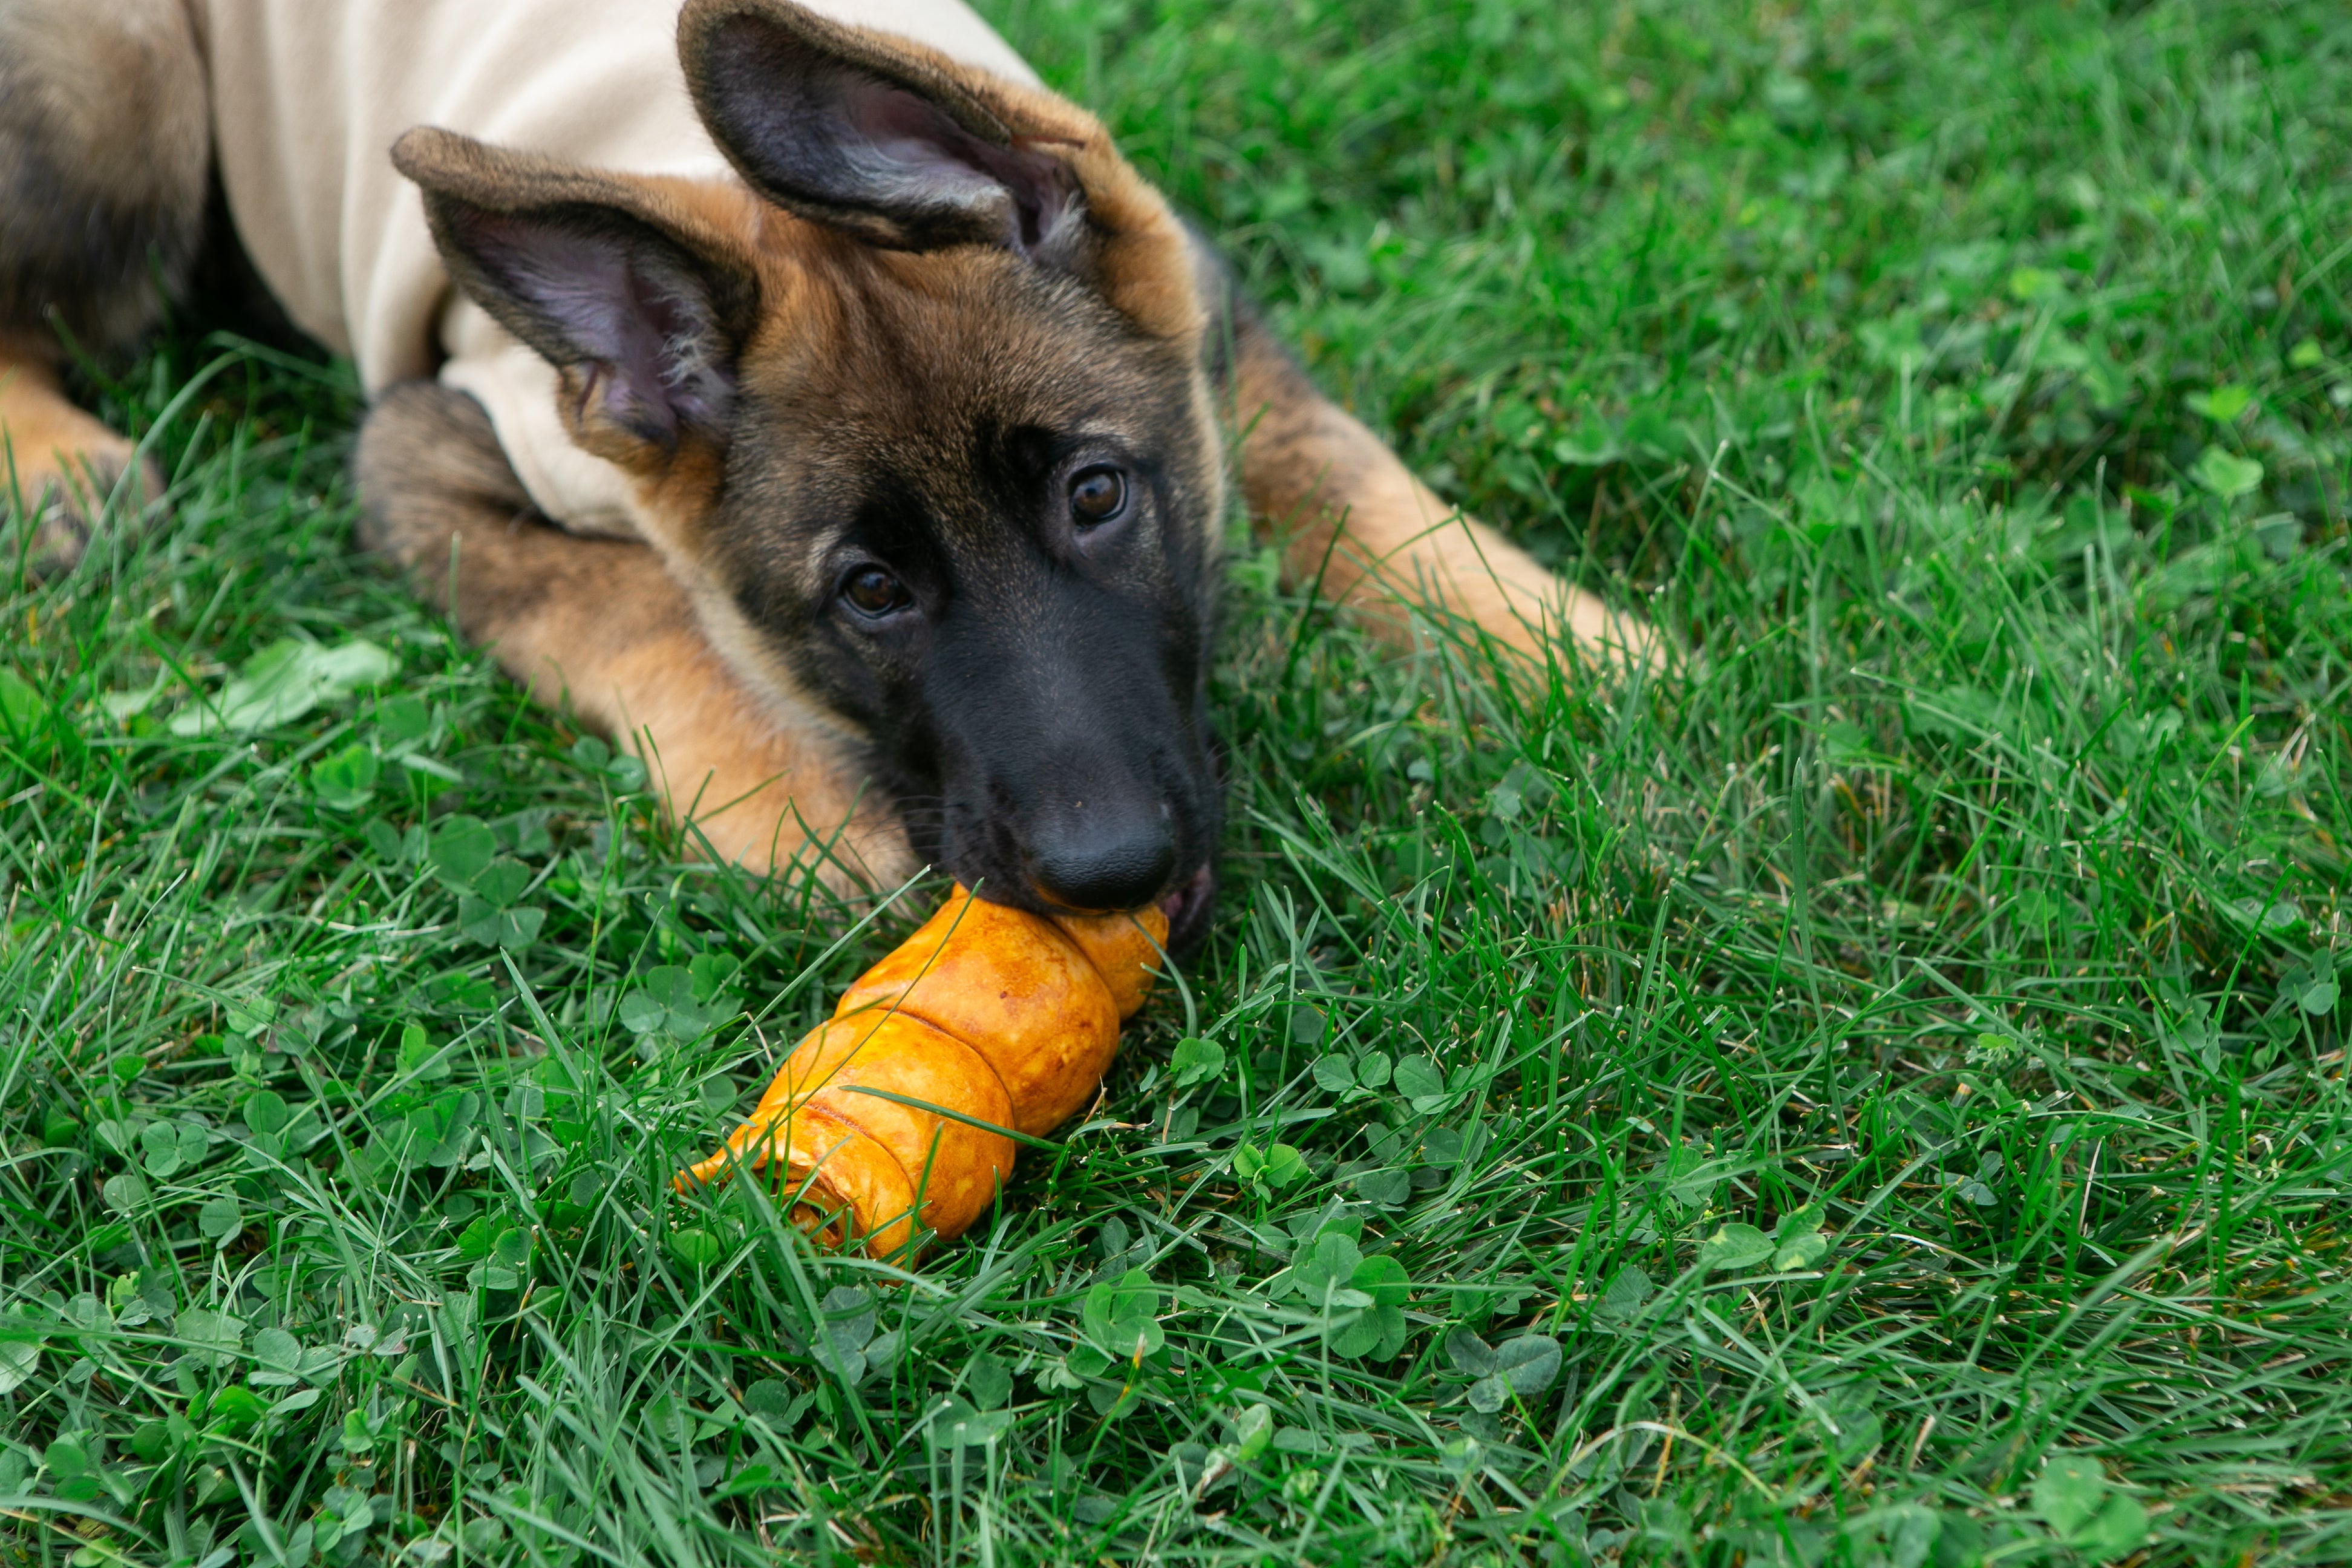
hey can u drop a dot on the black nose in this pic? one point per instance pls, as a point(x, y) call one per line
point(1095, 860)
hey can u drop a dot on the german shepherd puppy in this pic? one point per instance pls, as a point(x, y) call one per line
point(925, 414)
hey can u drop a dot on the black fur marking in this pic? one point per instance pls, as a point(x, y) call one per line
point(1041, 710)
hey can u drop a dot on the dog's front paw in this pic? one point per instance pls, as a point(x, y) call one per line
point(63, 475)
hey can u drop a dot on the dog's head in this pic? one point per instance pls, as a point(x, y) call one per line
point(922, 419)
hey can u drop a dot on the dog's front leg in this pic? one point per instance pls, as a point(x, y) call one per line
point(599, 625)
point(104, 145)
point(1354, 521)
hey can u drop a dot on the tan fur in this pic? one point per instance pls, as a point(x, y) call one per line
point(598, 626)
point(59, 463)
point(104, 143)
point(119, 81)
point(1355, 522)
point(653, 643)
point(675, 488)
point(1351, 516)
point(105, 138)
point(812, 356)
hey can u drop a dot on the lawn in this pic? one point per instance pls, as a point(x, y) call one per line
point(1871, 1093)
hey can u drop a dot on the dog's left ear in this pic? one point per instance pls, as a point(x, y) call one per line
point(639, 303)
point(880, 138)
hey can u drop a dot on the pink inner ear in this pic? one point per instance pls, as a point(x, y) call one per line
point(926, 157)
point(647, 333)
point(914, 136)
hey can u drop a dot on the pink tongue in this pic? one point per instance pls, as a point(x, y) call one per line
point(1174, 902)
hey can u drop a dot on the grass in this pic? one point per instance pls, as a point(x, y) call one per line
point(1874, 1094)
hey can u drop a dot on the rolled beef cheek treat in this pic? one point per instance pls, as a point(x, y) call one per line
point(1006, 1019)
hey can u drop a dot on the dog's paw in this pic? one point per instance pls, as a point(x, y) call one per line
point(63, 475)
point(428, 463)
point(398, 532)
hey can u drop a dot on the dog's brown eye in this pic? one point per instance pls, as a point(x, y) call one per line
point(1098, 495)
point(871, 591)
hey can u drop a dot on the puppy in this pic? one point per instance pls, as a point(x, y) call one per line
point(803, 395)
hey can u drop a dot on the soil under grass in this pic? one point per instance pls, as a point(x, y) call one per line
point(1872, 1093)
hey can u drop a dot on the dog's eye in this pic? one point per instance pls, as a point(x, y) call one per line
point(1097, 495)
point(871, 591)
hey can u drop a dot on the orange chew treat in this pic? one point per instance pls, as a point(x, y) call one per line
point(1001, 1018)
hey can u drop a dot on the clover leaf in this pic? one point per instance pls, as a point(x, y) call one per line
point(1272, 1170)
point(1735, 1247)
point(489, 884)
point(1469, 1353)
point(694, 1246)
point(1253, 1431)
point(1380, 1328)
point(2226, 474)
point(1626, 1292)
point(171, 1147)
point(1196, 1061)
point(345, 781)
point(957, 1425)
point(419, 1058)
point(1325, 1267)
point(280, 1355)
point(460, 849)
point(1798, 1241)
point(1121, 1317)
point(220, 1220)
point(664, 1006)
point(2075, 1499)
point(1352, 1079)
point(846, 1333)
point(1422, 1084)
point(285, 680)
point(484, 922)
point(1522, 1367)
point(625, 772)
point(1384, 1189)
point(988, 1380)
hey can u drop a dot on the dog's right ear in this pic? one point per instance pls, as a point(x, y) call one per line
point(639, 303)
point(853, 131)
